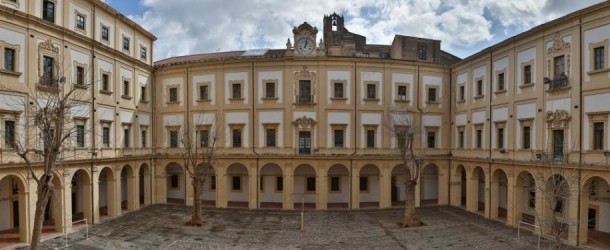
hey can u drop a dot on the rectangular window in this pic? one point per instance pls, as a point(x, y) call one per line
point(143, 138)
point(48, 74)
point(9, 131)
point(532, 199)
point(501, 86)
point(173, 94)
point(559, 68)
point(422, 50)
point(80, 22)
point(310, 184)
point(105, 33)
point(462, 93)
point(338, 135)
point(370, 91)
point(174, 181)
point(235, 183)
point(270, 90)
point(370, 138)
point(236, 138)
point(364, 183)
point(126, 42)
point(203, 92)
point(270, 137)
point(143, 93)
point(143, 53)
point(431, 95)
point(479, 138)
point(126, 88)
point(598, 136)
point(213, 182)
point(9, 59)
point(305, 93)
point(480, 88)
point(105, 82)
point(402, 92)
point(279, 183)
point(126, 138)
point(204, 138)
point(599, 58)
point(80, 75)
point(335, 184)
point(431, 139)
point(461, 139)
point(526, 137)
point(527, 74)
point(173, 139)
point(106, 136)
point(500, 138)
point(261, 183)
point(80, 136)
point(236, 87)
point(338, 90)
point(48, 11)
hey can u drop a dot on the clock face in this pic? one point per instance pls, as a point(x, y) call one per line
point(305, 46)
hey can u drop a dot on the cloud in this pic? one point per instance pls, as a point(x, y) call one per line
point(464, 26)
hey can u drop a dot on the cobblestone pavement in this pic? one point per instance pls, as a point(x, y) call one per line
point(161, 227)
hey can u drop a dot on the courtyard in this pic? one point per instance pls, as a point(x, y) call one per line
point(161, 227)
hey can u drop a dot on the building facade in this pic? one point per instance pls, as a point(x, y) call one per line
point(309, 125)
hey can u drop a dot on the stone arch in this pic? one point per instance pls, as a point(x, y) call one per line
point(54, 213)
point(499, 195)
point(369, 186)
point(478, 182)
point(594, 211)
point(460, 180)
point(271, 186)
point(338, 187)
point(208, 193)
point(107, 197)
point(525, 203)
point(144, 185)
point(305, 186)
point(176, 184)
point(557, 195)
point(238, 189)
point(81, 196)
point(429, 185)
point(128, 188)
point(13, 195)
point(400, 174)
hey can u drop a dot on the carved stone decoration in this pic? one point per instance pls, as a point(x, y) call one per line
point(305, 73)
point(304, 122)
point(559, 119)
point(48, 46)
point(305, 27)
point(288, 44)
point(559, 47)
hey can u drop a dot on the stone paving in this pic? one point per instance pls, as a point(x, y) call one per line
point(161, 227)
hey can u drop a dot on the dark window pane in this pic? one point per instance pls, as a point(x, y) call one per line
point(431, 139)
point(270, 137)
point(526, 137)
point(106, 136)
point(80, 22)
point(9, 137)
point(105, 82)
point(236, 183)
point(143, 137)
point(500, 138)
point(370, 138)
point(364, 183)
point(175, 181)
point(370, 91)
point(270, 90)
point(598, 136)
point(527, 74)
point(311, 184)
point(559, 67)
point(80, 136)
point(9, 59)
point(204, 137)
point(431, 95)
point(173, 139)
point(48, 12)
point(335, 184)
point(126, 138)
point(173, 94)
point(105, 34)
point(203, 92)
point(48, 76)
point(402, 92)
point(236, 91)
point(338, 90)
point(80, 75)
point(338, 138)
point(599, 58)
point(279, 183)
point(237, 138)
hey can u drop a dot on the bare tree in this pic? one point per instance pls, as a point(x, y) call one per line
point(403, 127)
point(53, 106)
point(198, 154)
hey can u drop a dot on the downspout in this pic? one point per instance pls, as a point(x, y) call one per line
point(93, 132)
point(580, 97)
point(351, 159)
point(421, 143)
point(490, 129)
point(188, 128)
point(253, 133)
point(451, 96)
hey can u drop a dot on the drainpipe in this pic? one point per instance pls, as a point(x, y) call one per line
point(580, 97)
point(451, 96)
point(490, 129)
point(253, 85)
point(93, 153)
point(351, 160)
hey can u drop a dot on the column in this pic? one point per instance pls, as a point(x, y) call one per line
point(221, 186)
point(494, 202)
point(472, 194)
point(253, 186)
point(57, 203)
point(321, 186)
point(114, 192)
point(511, 206)
point(573, 215)
point(385, 187)
point(133, 199)
point(355, 185)
point(189, 198)
point(288, 187)
point(443, 185)
point(487, 197)
point(161, 187)
point(96, 196)
point(67, 202)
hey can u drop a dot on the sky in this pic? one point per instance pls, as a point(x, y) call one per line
point(464, 27)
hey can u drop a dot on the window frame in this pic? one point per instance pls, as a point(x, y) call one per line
point(598, 118)
point(432, 89)
point(172, 94)
point(126, 41)
point(399, 97)
point(593, 61)
point(171, 132)
point(435, 142)
point(479, 88)
point(479, 138)
point(330, 184)
point(80, 22)
point(307, 186)
point(500, 135)
point(236, 85)
point(501, 81)
point(143, 52)
point(44, 15)
point(266, 94)
point(274, 127)
point(367, 129)
point(144, 136)
point(371, 85)
point(236, 179)
point(335, 128)
point(126, 88)
point(364, 188)
point(104, 36)
point(233, 128)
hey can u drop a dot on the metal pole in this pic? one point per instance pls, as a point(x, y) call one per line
point(302, 212)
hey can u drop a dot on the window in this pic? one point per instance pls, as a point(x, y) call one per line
point(143, 53)
point(370, 91)
point(431, 139)
point(80, 136)
point(559, 68)
point(235, 183)
point(213, 182)
point(532, 199)
point(599, 58)
point(462, 93)
point(270, 137)
point(402, 92)
point(173, 94)
point(305, 93)
point(500, 138)
point(48, 11)
point(461, 138)
point(261, 184)
point(335, 184)
point(598, 136)
point(173, 139)
point(204, 138)
point(105, 33)
point(126, 42)
point(364, 183)
point(431, 95)
point(143, 138)
point(9, 59)
point(527, 74)
point(338, 90)
point(270, 90)
point(125, 88)
point(126, 135)
point(174, 181)
point(143, 93)
point(48, 75)
point(310, 184)
point(501, 86)
point(279, 183)
point(203, 92)
point(105, 82)
point(370, 138)
point(422, 50)
point(236, 138)
point(527, 137)
point(106, 136)
point(236, 87)
point(80, 22)
point(480, 88)
point(479, 137)
point(80, 75)
point(9, 134)
point(338, 138)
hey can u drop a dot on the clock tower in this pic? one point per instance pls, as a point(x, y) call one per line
point(305, 40)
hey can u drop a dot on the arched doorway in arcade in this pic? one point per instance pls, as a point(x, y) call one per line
point(595, 213)
point(14, 207)
point(429, 185)
point(271, 186)
point(238, 189)
point(368, 186)
point(338, 187)
point(175, 186)
point(144, 185)
point(305, 187)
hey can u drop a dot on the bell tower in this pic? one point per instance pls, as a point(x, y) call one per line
point(333, 26)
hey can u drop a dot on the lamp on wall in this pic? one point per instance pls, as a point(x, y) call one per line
point(547, 80)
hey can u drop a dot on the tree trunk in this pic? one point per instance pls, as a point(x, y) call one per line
point(196, 215)
point(410, 219)
point(45, 190)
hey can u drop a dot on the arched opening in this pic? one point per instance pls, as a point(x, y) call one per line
point(271, 186)
point(81, 198)
point(305, 189)
point(478, 184)
point(176, 186)
point(595, 213)
point(238, 188)
point(144, 185)
point(13, 206)
point(499, 195)
point(368, 186)
point(338, 187)
point(400, 174)
point(107, 191)
point(525, 199)
point(53, 214)
point(208, 192)
point(460, 177)
point(557, 206)
point(429, 185)
point(128, 184)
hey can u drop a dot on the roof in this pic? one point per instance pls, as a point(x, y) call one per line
point(124, 18)
point(220, 56)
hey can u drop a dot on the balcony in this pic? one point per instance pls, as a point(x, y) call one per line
point(558, 83)
point(304, 99)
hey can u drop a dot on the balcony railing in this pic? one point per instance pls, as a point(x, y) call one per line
point(304, 99)
point(558, 83)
